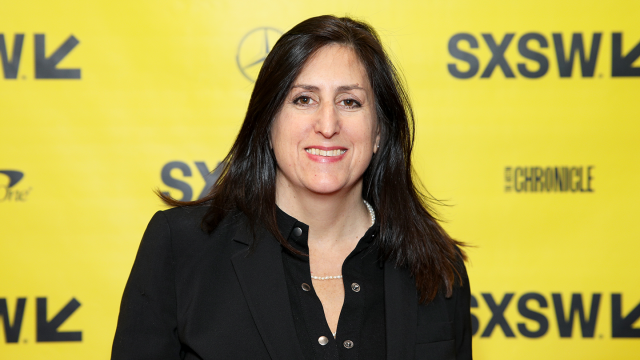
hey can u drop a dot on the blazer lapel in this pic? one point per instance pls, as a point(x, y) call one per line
point(261, 276)
point(401, 306)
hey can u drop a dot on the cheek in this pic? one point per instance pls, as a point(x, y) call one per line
point(366, 133)
point(284, 139)
point(280, 151)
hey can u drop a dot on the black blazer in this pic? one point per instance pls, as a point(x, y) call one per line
point(193, 295)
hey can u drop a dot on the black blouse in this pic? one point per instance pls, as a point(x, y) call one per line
point(361, 330)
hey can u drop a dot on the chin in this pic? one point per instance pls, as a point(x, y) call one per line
point(327, 188)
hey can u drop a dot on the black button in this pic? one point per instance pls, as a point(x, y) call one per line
point(306, 287)
point(348, 344)
point(355, 287)
point(297, 231)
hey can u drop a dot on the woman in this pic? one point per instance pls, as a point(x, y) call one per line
point(314, 243)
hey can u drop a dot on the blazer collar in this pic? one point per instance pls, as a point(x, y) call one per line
point(261, 276)
point(401, 306)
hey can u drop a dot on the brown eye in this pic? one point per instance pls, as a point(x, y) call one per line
point(350, 103)
point(304, 101)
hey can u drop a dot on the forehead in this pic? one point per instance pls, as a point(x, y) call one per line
point(333, 66)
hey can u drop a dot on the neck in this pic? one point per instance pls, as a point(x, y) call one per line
point(333, 219)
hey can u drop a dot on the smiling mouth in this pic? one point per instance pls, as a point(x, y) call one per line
point(328, 153)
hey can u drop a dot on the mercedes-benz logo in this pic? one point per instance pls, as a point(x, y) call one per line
point(253, 49)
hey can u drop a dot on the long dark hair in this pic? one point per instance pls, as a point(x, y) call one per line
point(410, 235)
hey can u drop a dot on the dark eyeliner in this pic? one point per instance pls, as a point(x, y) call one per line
point(296, 101)
point(356, 103)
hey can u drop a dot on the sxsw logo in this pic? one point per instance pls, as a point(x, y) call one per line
point(568, 50)
point(177, 175)
point(566, 312)
point(46, 67)
point(8, 190)
point(46, 326)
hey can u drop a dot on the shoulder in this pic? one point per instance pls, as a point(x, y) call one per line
point(460, 267)
point(461, 296)
point(183, 218)
point(182, 228)
point(189, 220)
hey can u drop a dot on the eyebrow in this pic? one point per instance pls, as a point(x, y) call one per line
point(340, 88)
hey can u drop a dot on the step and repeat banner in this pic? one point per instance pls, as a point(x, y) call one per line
point(527, 125)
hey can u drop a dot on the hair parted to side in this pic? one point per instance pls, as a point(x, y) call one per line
point(410, 236)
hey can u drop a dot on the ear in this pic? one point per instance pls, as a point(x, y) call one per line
point(376, 144)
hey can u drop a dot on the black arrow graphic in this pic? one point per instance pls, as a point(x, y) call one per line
point(48, 330)
point(46, 67)
point(621, 65)
point(621, 327)
point(14, 176)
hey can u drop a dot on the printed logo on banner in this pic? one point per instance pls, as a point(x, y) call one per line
point(522, 179)
point(253, 49)
point(46, 330)
point(8, 190)
point(621, 325)
point(568, 49)
point(209, 177)
point(45, 67)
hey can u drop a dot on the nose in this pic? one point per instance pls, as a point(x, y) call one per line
point(328, 120)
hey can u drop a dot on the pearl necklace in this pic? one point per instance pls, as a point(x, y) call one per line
point(373, 221)
point(371, 213)
point(326, 277)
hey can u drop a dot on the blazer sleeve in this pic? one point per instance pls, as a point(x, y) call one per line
point(147, 324)
point(463, 318)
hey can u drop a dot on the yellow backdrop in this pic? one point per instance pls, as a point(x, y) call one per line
point(527, 123)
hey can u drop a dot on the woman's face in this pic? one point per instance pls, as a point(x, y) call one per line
point(326, 132)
